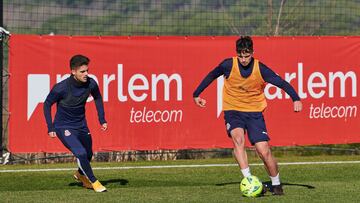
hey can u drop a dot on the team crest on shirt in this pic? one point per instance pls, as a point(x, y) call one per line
point(67, 133)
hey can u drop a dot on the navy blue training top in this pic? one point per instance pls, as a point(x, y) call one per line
point(224, 68)
point(70, 96)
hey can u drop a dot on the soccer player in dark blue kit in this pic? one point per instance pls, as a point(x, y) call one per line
point(244, 103)
point(70, 124)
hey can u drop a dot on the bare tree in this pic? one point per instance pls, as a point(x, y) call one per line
point(229, 20)
point(269, 19)
point(276, 33)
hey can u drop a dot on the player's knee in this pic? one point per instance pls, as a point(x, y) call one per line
point(264, 154)
point(89, 156)
point(238, 142)
point(81, 154)
point(238, 139)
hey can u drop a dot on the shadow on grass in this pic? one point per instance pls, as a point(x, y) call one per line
point(115, 181)
point(104, 182)
point(144, 183)
point(268, 184)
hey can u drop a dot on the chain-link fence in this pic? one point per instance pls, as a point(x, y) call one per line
point(183, 17)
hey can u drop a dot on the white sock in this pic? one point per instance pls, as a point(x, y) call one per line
point(275, 180)
point(246, 172)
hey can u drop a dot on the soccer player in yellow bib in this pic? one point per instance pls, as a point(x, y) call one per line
point(243, 105)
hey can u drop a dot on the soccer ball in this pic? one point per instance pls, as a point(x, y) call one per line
point(251, 186)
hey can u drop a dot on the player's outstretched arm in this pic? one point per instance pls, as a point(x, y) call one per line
point(52, 98)
point(95, 92)
point(200, 101)
point(297, 106)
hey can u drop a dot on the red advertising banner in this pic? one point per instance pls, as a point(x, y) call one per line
point(147, 85)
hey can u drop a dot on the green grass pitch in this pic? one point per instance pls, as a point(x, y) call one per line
point(302, 183)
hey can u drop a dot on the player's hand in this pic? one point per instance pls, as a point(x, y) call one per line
point(297, 106)
point(199, 101)
point(52, 134)
point(104, 126)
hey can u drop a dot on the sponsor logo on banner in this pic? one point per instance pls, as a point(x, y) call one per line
point(39, 87)
point(147, 85)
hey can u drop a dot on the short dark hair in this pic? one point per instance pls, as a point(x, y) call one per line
point(78, 60)
point(244, 45)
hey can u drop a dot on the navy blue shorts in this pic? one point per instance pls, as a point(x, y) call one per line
point(253, 124)
point(78, 141)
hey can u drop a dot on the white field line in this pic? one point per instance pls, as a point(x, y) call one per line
point(174, 166)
